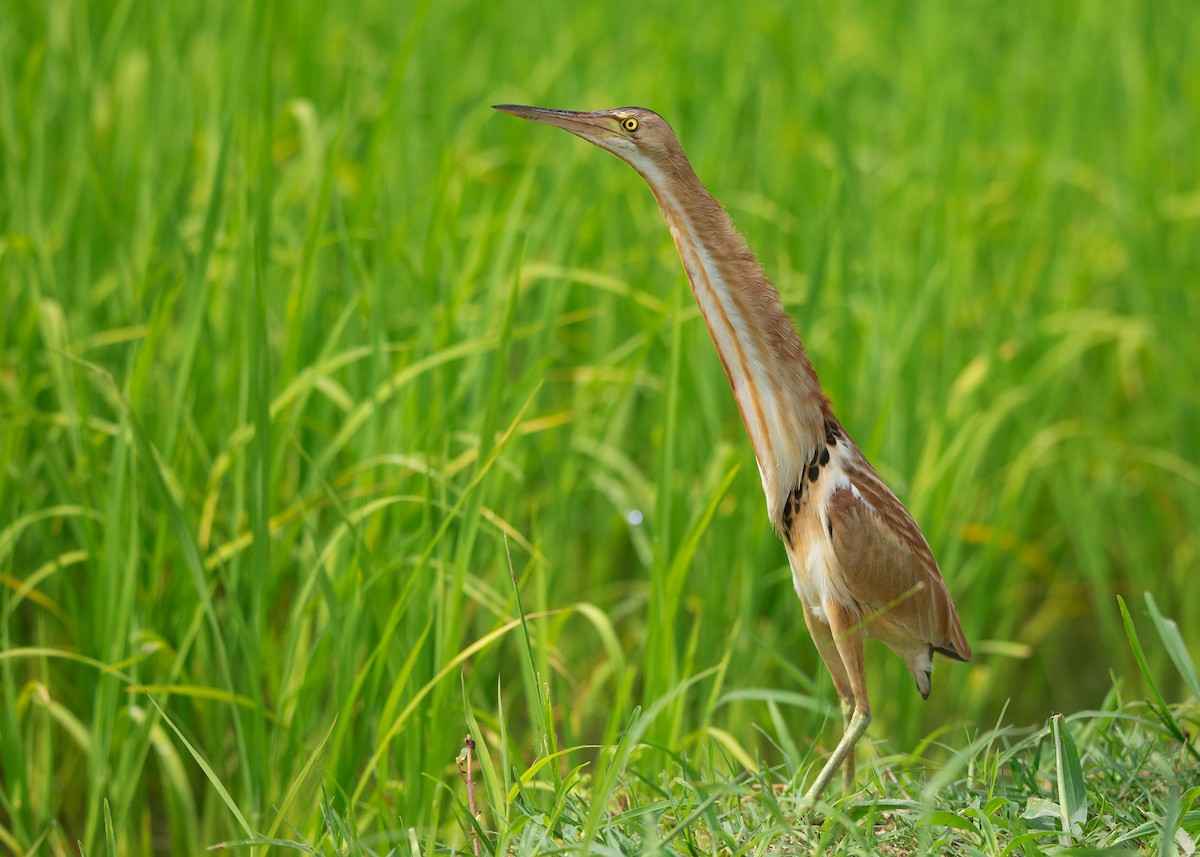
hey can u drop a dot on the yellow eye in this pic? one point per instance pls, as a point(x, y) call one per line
point(629, 123)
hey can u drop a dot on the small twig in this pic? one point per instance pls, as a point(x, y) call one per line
point(464, 771)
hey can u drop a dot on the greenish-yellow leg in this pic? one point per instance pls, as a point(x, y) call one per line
point(845, 749)
point(846, 668)
point(848, 765)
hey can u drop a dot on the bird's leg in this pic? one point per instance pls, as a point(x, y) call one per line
point(848, 641)
point(844, 750)
point(848, 766)
point(822, 636)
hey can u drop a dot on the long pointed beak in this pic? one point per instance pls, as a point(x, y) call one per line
point(586, 125)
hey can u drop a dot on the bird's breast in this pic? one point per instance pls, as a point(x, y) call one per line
point(805, 527)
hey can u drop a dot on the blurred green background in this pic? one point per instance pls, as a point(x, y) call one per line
point(298, 330)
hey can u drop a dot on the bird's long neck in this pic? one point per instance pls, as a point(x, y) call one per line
point(776, 389)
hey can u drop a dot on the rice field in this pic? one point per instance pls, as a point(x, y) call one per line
point(342, 417)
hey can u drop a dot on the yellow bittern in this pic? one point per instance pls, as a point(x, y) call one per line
point(859, 562)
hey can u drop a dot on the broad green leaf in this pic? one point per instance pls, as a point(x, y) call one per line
point(1072, 794)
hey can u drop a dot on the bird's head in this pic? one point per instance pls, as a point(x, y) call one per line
point(638, 136)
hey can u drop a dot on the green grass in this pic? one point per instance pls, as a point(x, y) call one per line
point(309, 356)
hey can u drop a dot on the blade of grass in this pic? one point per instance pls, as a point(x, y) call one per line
point(1168, 633)
point(1159, 704)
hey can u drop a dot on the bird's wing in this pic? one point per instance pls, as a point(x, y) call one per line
point(887, 565)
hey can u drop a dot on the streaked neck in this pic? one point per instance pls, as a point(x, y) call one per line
point(776, 390)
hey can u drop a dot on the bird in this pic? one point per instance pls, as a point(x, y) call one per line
point(860, 564)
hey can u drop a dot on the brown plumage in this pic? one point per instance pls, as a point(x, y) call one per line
point(859, 562)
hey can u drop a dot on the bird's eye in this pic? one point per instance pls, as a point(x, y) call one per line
point(629, 123)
